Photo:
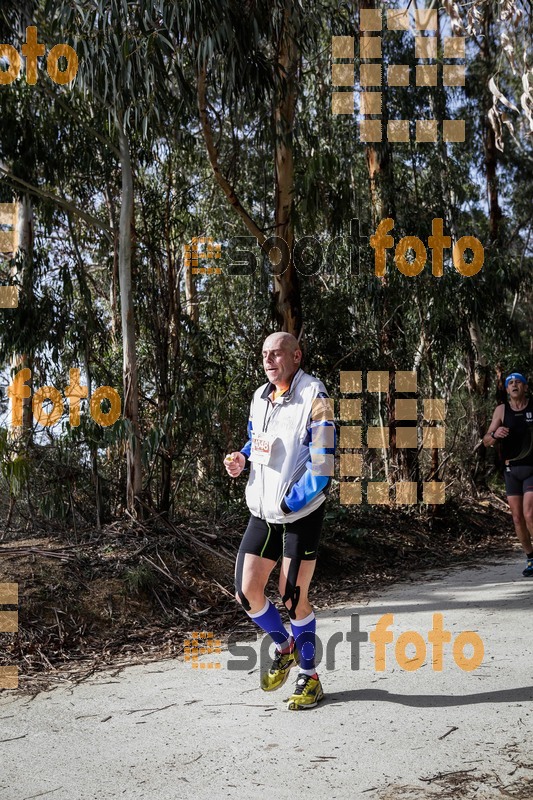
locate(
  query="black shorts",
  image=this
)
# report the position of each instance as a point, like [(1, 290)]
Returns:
[(518, 480), (297, 539)]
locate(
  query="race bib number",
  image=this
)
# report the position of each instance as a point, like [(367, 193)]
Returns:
[(261, 447)]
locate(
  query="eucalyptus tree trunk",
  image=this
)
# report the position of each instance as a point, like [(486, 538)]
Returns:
[(477, 363), (191, 295), (94, 450), (130, 371), (489, 137), (169, 359), (478, 378), (381, 187), (24, 241), (378, 154), (287, 307), (286, 290)]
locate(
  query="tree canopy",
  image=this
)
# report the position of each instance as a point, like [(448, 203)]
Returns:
[(206, 128)]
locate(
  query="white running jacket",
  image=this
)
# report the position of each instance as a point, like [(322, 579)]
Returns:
[(290, 450)]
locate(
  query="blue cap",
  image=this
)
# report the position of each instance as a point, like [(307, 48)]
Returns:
[(517, 377)]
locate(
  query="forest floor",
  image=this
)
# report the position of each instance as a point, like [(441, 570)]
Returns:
[(134, 592)]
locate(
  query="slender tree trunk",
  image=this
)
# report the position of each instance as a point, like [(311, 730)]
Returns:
[(94, 450), (478, 365), (130, 372), (286, 290), (478, 368), (115, 323), (478, 362), (434, 508), (378, 154), (191, 295), (381, 186), (287, 308), (24, 242), (438, 108), (489, 137)]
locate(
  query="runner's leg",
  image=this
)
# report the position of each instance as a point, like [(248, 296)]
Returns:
[(300, 546), (528, 516), (528, 510), (254, 574), (296, 583), (258, 553), (303, 622), (308, 690), (517, 504)]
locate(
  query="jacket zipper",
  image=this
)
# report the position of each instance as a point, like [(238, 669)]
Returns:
[(265, 428)]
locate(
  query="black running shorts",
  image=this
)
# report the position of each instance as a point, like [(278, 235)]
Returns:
[(518, 480), (297, 539)]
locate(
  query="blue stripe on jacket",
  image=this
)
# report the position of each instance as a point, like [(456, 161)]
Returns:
[(310, 484), (247, 449)]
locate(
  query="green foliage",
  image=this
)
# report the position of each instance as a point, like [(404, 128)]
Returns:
[(15, 468), (138, 580), (199, 357)]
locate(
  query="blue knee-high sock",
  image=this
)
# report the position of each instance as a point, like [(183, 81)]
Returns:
[(269, 620), (304, 632)]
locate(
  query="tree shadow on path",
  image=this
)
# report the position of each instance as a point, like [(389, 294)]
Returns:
[(518, 695)]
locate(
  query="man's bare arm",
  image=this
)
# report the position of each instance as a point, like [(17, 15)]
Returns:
[(496, 427)]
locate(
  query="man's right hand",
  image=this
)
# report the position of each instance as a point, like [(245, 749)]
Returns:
[(234, 463), (501, 432)]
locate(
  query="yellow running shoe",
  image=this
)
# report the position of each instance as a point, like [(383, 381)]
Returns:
[(307, 694), (279, 670)]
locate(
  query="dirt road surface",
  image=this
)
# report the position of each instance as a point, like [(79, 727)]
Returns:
[(168, 730)]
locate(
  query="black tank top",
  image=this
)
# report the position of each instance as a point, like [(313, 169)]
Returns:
[(517, 447)]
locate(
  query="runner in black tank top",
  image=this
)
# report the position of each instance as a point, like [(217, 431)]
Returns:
[(512, 424), (517, 447)]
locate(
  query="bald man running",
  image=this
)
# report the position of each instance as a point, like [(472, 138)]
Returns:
[(290, 454)]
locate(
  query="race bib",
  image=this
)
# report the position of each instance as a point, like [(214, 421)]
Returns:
[(261, 447)]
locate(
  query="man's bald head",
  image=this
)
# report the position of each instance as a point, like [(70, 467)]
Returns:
[(281, 358), (283, 340)]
